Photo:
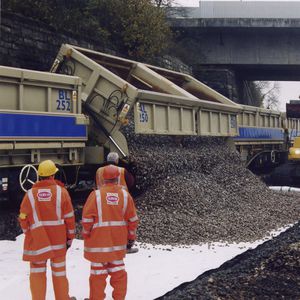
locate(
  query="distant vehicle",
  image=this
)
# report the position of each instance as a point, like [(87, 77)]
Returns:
[(294, 152)]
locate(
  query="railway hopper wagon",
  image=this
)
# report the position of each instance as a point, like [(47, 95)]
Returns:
[(262, 139), (73, 114), (265, 137), (40, 118), (166, 102), (288, 173)]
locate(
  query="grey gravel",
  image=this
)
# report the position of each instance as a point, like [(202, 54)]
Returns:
[(9, 225), (270, 271), (197, 190)]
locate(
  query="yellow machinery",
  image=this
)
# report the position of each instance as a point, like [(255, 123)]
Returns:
[(294, 152)]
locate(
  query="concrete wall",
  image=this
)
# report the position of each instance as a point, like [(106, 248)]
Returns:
[(33, 45), (241, 46), (26, 43), (236, 47), (220, 79)]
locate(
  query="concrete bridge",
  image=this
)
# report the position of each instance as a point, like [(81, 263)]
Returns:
[(233, 42)]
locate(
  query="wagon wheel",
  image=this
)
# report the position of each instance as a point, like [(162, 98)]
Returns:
[(28, 176)]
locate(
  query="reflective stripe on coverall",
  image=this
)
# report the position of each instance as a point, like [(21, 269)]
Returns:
[(38, 280), (49, 222), (121, 178), (109, 221), (118, 279)]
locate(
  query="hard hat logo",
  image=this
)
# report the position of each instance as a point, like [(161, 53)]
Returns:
[(47, 168)]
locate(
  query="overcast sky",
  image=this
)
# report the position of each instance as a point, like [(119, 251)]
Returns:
[(288, 90)]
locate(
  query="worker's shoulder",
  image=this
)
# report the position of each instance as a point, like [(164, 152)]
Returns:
[(124, 192), (124, 169), (92, 194), (115, 188), (52, 188), (47, 183), (65, 192), (100, 168)]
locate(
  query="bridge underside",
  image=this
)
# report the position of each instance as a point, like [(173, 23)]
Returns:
[(224, 57), (268, 72)]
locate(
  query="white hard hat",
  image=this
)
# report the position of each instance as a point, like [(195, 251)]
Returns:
[(113, 157)]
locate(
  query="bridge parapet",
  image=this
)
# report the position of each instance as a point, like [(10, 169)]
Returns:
[(254, 23)]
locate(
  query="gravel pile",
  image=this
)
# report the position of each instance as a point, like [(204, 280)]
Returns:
[(195, 190), (271, 271)]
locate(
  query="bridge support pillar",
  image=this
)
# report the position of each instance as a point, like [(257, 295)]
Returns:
[(227, 82), (222, 80)]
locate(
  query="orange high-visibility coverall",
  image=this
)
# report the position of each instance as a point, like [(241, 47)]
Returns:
[(47, 219), (121, 178), (109, 220)]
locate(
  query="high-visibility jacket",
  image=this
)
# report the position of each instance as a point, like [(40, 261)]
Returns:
[(47, 219), (109, 220), (121, 178)]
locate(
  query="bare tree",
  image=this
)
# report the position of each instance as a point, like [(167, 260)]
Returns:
[(269, 97), (262, 94), (164, 3), (172, 7)]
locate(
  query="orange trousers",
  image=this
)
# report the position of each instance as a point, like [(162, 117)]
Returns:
[(38, 280), (118, 280)]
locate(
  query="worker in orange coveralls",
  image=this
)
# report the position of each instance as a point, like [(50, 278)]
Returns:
[(47, 219), (125, 179), (109, 226)]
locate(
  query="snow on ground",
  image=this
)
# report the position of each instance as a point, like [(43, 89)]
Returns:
[(152, 272)]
